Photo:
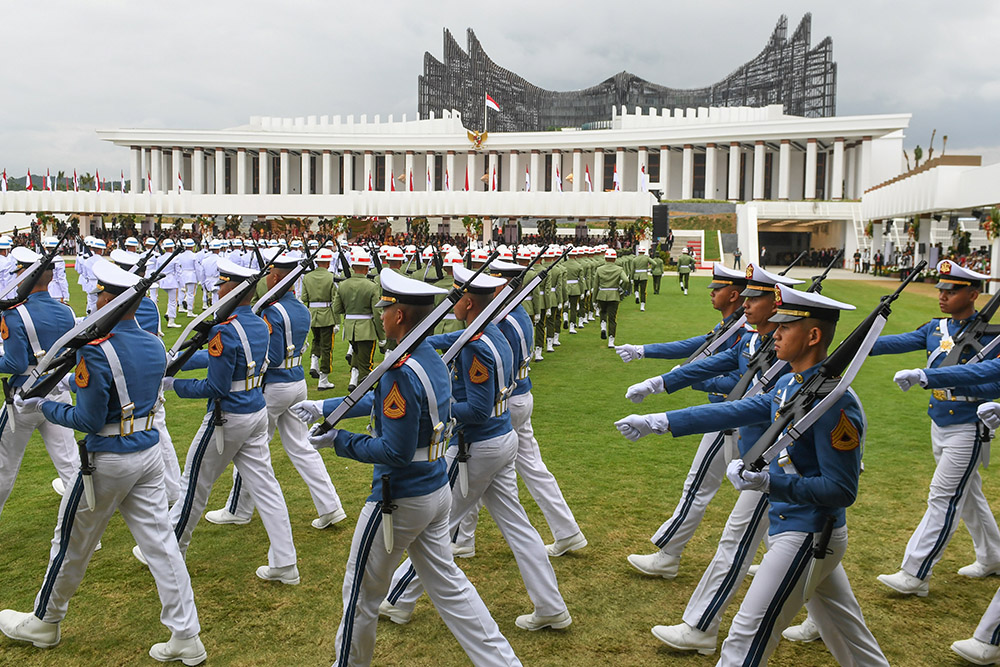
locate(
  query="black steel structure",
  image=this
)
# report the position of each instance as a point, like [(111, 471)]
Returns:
[(790, 72)]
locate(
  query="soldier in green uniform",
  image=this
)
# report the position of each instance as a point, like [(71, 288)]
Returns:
[(611, 282), (640, 275), (685, 265), (557, 288), (540, 297), (656, 270), (449, 323), (355, 299), (575, 277), (318, 291), (594, 262)]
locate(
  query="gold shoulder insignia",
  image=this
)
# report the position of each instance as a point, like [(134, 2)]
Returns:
[(4, 332), (394, 405), (82, 374), (844, 435), (215, 345), (478, 373), (270, 329)]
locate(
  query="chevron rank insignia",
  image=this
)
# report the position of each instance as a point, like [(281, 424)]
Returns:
[(844, 435), (82, 374), (478, 373), (215, 345), (394, 405)]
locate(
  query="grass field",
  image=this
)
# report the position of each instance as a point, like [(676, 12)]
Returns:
[(619, 491)]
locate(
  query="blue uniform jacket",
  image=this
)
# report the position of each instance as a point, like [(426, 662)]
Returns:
[(51, 319), (979, 379), (518, 320), (475, 383), (227, 364), (928, 337), (401, 423), (679, 349), (143, 361), (148, 316), (827, 456), (277, 350)]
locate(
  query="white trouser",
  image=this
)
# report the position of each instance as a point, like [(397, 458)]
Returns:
[(420, 527), (91, 302), (492, 478), (988, 629), (189, 294), (745, 528), (132, 484), (703, 480), (153, 294), (777, 593), (171, 302), (541, 483), (171, 466), (295, 439), (246, 446), (956, 492), (207, 294), (58, 441)]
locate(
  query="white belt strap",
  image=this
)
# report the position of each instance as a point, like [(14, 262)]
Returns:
[(29, 328), (291, 359), (248, 354), (357, 317), (947, 342), (319, 304), (608, 289), (572, 282), (442, 428)]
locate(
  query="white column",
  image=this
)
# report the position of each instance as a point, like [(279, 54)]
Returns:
[(220, 171), (198, 172), (837, 174), (733, 187), (865, 173), (264, 171), (620, 166), (176, 167), (556, 170), (710, 171), (471, 171), (327, 171), (284, 173), (491, 170), (430, 167), (135, 170), (408, 172), (598, 175), (784, 169), (664, 170), (640, 168), (241, 171), (687, 172), (368, 173), (515, 179), (305, 173), (347, 174), (810, 179), (389, 170), (758, 170), (449, 167), (850, 159), (578, 176), (537, 182)]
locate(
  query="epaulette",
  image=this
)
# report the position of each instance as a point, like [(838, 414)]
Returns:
[(228, 320), (402, 361), (477, 336), (98, 341)]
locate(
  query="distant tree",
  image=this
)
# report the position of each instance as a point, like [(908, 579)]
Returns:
[(918, 153), (87, 182)]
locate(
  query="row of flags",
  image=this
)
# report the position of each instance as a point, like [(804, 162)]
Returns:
[(492, 178), (49, 182)]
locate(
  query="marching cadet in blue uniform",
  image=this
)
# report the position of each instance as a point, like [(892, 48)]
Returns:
[(956, 490), (288, 322), (148, 318), (518, 329), (410, 410), (122, 369), (708, 465), (236, 359), (28, 330), (814, 478), (483, 373)]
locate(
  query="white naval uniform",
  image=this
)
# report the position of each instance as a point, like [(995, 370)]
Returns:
[(170, 282), (59, 286)]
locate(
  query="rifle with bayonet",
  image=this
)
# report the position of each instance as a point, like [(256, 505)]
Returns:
[(405, 346), (62, 355), (345, 263), (822, 390), (31, 275), (794, 262)]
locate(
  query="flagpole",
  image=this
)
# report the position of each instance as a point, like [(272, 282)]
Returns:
[(485, 112)]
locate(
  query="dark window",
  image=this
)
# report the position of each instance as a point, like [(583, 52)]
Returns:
[(698, 183)]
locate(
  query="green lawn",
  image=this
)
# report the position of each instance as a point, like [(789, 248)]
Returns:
[(619, 491)]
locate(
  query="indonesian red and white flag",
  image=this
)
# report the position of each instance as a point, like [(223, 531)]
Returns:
[(149, 183), (123, 181), (466, 180), (493, 180), (76, 182), (430, 183), (586, 176), (447, 181), (30, 187), (643, 181), (409, 182), (527, 179), (97, 179), (3, 182), (392, 182), (45, 183), (616, 180), (369, 181), (558, 180), (491, 103), (180, 183)]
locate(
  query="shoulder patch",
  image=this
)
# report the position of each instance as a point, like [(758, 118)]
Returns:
[(394, 405), (228, 319), (402, 360), (477, 336), (478, 373), (98, 341), (82, 374), (844, 435), (4, 332), (215, 345), (270, 329)]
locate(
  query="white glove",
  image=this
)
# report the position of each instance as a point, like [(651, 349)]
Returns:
[(630, 352), (319, 441), (307, 411), (637, 392), (548, 312), (908, 378), (747, 480), (634, 427), (167, 384), (66, 384), (538, 318), (28, 405), (336, 329), (989, 413)]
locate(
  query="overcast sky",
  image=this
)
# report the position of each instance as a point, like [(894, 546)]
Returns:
[(72, 67)]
